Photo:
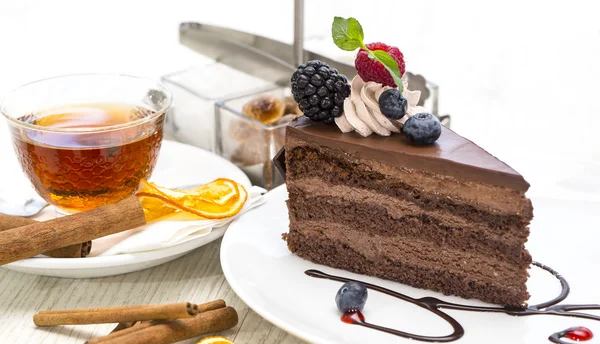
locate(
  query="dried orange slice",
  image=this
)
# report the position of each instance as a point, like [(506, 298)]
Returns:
[(214, 340), (155, 208), (218, 199)]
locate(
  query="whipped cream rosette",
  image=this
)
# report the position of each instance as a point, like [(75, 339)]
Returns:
[(363, 115)]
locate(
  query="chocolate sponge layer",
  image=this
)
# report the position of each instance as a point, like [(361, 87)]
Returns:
[(416, 263)]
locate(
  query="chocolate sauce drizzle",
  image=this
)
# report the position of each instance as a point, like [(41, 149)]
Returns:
[(435, 305)]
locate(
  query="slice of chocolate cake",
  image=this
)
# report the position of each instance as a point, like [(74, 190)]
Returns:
[(448, 217), (379, 187)]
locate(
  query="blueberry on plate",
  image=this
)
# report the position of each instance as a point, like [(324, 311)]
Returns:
[(393, 104), (422, 128), (351, 296)]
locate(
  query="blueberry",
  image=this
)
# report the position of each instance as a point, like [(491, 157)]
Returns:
[(351, 296), (393, 104), (422, 128), (302, 81), (309, 90)]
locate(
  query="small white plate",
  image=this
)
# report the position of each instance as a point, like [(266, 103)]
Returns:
[(178, 165), (271, 281)]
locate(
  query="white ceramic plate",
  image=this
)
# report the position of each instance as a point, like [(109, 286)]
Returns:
[(178, 165), (266, 276)]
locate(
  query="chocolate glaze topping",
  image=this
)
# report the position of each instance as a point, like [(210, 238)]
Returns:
[(451, 155), (279, 162), (435, 305)]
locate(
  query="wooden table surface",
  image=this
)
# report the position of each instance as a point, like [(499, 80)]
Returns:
[(195, 277)]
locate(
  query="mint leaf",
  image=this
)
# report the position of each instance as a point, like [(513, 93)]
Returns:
[(347, 33), (355, 30), (390, 64)]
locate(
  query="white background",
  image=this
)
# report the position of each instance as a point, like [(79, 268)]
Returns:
[(520, 78)]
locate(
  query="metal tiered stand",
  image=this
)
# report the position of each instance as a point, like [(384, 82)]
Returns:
[(208, 98)]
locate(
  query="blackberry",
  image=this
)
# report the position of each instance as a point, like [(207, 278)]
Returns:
[(309, 90), (323, 92), (320, 91)]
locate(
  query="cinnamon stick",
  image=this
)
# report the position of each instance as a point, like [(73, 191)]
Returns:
[(176, 330), (211, 305), (81, 250), (125, 325), (115, 314), (33, 239), (123, 329), (140, 325), (137, 326)]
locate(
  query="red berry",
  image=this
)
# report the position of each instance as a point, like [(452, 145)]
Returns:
[(353, 316), (372, 70), (579, 333)]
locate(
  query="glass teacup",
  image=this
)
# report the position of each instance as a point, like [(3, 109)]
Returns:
[(86, 140)]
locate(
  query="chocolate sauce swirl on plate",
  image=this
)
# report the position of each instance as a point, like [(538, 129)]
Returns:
[(435, 306)]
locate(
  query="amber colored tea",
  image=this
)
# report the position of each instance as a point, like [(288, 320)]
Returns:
[(86, 165)]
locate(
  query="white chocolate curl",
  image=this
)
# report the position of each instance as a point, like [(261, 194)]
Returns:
[(362, 113)]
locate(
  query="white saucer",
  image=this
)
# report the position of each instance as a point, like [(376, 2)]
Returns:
[(178, 165), (271, 281)]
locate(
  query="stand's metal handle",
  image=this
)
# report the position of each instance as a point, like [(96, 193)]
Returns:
[(298, 32)]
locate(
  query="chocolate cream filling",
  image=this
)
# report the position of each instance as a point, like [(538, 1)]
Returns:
[(381, 215)]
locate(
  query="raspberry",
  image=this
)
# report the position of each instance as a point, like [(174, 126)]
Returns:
[(372, 70)]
